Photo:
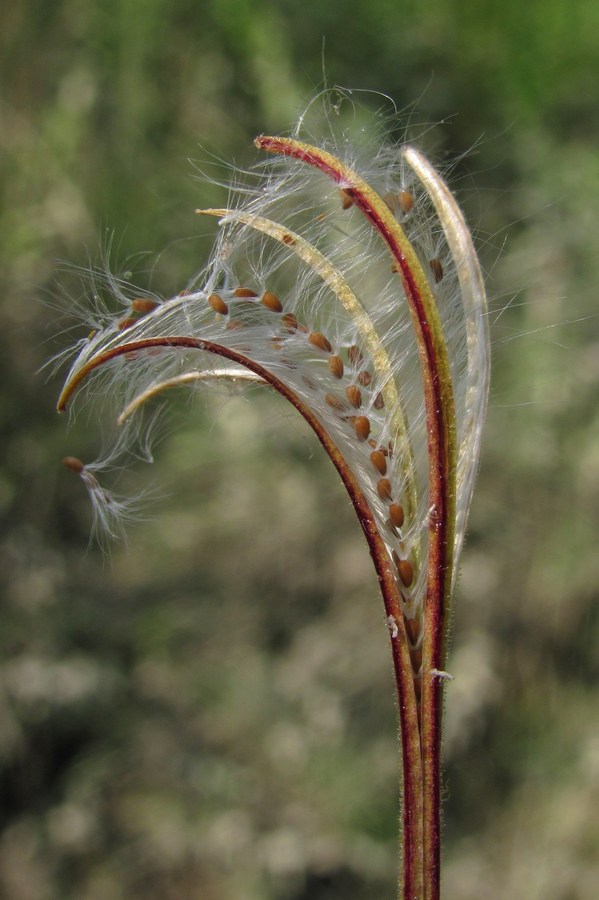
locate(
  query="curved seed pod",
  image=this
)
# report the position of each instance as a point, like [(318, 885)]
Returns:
[(378, 338)]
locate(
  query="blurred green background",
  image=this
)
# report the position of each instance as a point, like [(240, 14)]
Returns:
[(197, 716)]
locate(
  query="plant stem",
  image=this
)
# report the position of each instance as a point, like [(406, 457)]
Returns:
[(442, 453), (412, 810)]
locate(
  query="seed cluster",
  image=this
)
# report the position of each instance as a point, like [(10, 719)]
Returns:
[(349, 401)]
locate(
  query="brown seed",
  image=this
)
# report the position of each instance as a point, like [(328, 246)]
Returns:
[(290, 322), (378, 401), (143, 305), (354, 395), (405, 201), (127, 323), (396, 515), (355, 355), (272, 302), (392, 201), (405, 570), (418, 692), (218, 304), (234, 325), (335, 402), (320, 341), (362, 428), (383, 488), (364, 378), (378, 461), (412, 629), (248, 293), (416, 658), (346, 200), (74, 464), (335, 364), (288, 239), (436, 268)]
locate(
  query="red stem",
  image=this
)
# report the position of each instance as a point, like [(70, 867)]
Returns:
[(412, 767), (438, 397)]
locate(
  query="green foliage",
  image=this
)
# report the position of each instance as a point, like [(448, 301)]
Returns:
[(195, 717)]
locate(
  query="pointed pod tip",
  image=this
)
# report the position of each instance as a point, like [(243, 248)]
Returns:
[(211, 212), (268, 142)]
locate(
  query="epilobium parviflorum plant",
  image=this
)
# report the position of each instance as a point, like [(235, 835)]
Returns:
[(344, 277)]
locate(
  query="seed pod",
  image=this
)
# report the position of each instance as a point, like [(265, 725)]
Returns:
[(396, 515), (335, 364), (383, 488), (272, 302), (362, 428), (378, 461), (218, 304), (319, 340), (354, 395)]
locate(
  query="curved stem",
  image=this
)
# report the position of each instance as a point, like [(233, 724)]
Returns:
[(476, 325), (231, 375), (412, 765), (440, 418)]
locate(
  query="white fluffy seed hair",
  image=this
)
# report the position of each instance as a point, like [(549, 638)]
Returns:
[(300, 283)]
